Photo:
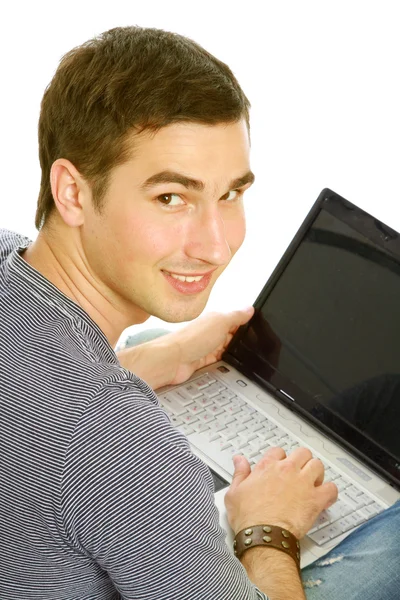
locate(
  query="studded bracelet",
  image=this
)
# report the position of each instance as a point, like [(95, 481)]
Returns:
[(268, 536)]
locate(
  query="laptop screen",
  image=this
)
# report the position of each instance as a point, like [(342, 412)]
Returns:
[(326, 333)]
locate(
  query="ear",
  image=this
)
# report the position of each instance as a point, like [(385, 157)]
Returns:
[(70, 192)]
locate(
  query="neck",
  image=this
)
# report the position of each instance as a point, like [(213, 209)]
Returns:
[(58, 254)]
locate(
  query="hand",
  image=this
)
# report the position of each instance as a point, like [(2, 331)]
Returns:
[(281, 490), (203, 341), (172, 358)]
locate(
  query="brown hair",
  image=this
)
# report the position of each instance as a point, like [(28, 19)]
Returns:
[(128, 78)]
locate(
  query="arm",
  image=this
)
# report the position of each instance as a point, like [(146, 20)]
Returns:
[(171, 359), (274, 573), (280, 490), (139, 506)]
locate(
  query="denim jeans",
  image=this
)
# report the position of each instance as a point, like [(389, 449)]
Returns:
[(365, 566)]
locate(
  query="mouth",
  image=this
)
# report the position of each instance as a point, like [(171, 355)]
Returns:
[(188, 284)]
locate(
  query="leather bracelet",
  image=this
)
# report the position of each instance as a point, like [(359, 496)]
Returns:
[(267, 535)]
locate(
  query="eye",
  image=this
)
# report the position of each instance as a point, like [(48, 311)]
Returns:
[(231, 195), (170, 200)]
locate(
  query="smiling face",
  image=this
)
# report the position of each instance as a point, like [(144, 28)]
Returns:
[(172, 219)]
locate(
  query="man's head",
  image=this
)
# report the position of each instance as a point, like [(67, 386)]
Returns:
[(127, 80), (144, 148)]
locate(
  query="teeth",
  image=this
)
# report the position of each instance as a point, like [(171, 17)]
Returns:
[(189, 279)]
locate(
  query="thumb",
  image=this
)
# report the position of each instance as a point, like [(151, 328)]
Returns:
[(239, 317), (242, 470)]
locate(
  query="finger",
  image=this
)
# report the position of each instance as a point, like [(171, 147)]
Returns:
[(327, 494), (229, 336), (242, 470), (239, 317), (273, 454), (315, 470), (300, 457)]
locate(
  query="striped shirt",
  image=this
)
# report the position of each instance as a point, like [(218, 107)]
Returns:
[(101, 497)]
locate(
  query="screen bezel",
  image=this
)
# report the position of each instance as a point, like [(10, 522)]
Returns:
[(286, 390)]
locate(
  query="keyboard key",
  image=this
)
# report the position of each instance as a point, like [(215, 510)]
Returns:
[(218, 412), (243, 417), (274, 441), (189, 419), (173, 405), (239, 443), (366, 499), (279, 432), (268, 425), (249, 409), (338, 510), (232, 408), (206, 418), (202, 427), (342, 483), (333, 530), (320, 537), (260, 418), (246, 450), (346, 524), (191, 391), (253, 453), (368, 511), (202, 382), (224, 417), (217, 424), (253, 426), (204, 401), (349, 500), (223, 445), (222, 399), (377, 508), (241, 428), (181, 397), (214, 389), (353, 491), (266, 435), (227, 434), (245, 434), (358, 518), (186, 429), (194, 409), (322, 521)]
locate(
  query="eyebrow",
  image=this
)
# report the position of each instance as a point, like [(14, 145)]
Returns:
[(189, 182)]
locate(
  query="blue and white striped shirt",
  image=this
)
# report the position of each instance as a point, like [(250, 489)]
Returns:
[(101, 497)]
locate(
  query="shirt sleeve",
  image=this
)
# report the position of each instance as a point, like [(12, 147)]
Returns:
[(139, 503)]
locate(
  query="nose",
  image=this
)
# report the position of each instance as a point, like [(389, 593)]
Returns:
[(207, 240)]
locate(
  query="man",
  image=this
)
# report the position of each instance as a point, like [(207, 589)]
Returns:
[(144, 150)]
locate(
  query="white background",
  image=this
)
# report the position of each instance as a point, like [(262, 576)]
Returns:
[(322, 77)]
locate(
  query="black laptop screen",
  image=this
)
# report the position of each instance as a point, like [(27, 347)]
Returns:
[(327, 334)]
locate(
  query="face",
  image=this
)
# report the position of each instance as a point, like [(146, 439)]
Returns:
[(172, 219)]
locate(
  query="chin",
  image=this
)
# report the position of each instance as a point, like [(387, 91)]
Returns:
[(181, 314)]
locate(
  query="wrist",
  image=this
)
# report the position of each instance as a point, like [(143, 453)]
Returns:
[(156, 362), (267, 536)]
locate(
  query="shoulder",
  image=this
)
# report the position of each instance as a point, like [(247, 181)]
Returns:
[(9, 241), (127, 435), (126, 463)]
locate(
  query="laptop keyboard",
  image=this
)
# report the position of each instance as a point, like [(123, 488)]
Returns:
[(220, 424)]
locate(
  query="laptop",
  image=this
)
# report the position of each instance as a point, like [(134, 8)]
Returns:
[(318, 365)]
